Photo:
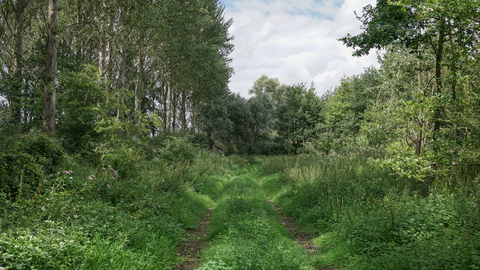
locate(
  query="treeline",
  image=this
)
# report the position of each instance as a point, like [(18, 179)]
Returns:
[(90, 70), (422, 103), (147, 69)]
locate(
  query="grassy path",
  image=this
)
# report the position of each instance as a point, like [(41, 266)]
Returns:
[(367, 219), (191, 250), (302, 238), (246, 232)]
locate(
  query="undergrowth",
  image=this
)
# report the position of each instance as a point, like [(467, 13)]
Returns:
[(111, 215), (371, 219)]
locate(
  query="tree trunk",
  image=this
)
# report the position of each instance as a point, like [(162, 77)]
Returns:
[(164, 99), (139, 87), (78, 46), (102, 50), (183, 113), (168, 108), (193, 116), (15, 101), (438, 77), (174, 110), (50, 75), (123, 81), (418, 143), (454, 99)]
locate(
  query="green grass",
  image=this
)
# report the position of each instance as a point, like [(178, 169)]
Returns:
[(88, 220), (245, 233), (366, 217), (370, 219)]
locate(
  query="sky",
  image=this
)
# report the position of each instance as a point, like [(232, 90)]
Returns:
[(295, 41)]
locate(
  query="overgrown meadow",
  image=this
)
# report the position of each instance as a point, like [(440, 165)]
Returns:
[(369, 218), (125, 211)]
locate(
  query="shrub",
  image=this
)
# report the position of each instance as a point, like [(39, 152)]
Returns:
[(45, 150), (19, 175), (177, 149), (123, 159)]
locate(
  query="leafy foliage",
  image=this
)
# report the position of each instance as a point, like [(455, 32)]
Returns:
[(83, 217), (297, 115), (79, 96), (238, 125), (20, 175), (46, 151), (177, 149)]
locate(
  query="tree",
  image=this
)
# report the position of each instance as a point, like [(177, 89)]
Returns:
[(297, 115), (238, 125), (157, 60), (50, 75), (269, 87), (439, 26), (15, 36)]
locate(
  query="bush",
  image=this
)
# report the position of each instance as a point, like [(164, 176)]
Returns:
[(19, 175), (45, 150), (125, 160), (177, 149), (78, 97)]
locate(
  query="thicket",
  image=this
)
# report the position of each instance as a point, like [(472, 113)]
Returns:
[(114, 214), (369, 218)]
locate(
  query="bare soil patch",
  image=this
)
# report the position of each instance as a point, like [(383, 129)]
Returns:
[(191, 250)]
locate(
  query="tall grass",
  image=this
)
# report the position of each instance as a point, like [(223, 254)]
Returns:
[(370, 219), (89, 217)]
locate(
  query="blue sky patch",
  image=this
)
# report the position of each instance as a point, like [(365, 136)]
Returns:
[(296, 11)]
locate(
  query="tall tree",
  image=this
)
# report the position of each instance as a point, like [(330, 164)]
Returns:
[(297, 116), (50, 75), (434, 25), (15, 19), (17, 66)]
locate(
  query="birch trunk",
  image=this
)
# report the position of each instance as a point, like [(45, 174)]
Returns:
[(79, 43), (102, 52), (139, 87), (50, 75), (164, 104), (167, 108), (123, 81), (183, 113), (174, 110)]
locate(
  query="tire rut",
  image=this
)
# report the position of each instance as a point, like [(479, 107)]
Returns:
[(303, 239), (191, 251)]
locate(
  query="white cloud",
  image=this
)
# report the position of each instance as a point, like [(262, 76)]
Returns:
[(294, 41)]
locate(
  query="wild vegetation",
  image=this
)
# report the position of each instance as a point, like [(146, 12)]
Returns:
[(126, 212), (368, 218), (113, 113), (245, 233)]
